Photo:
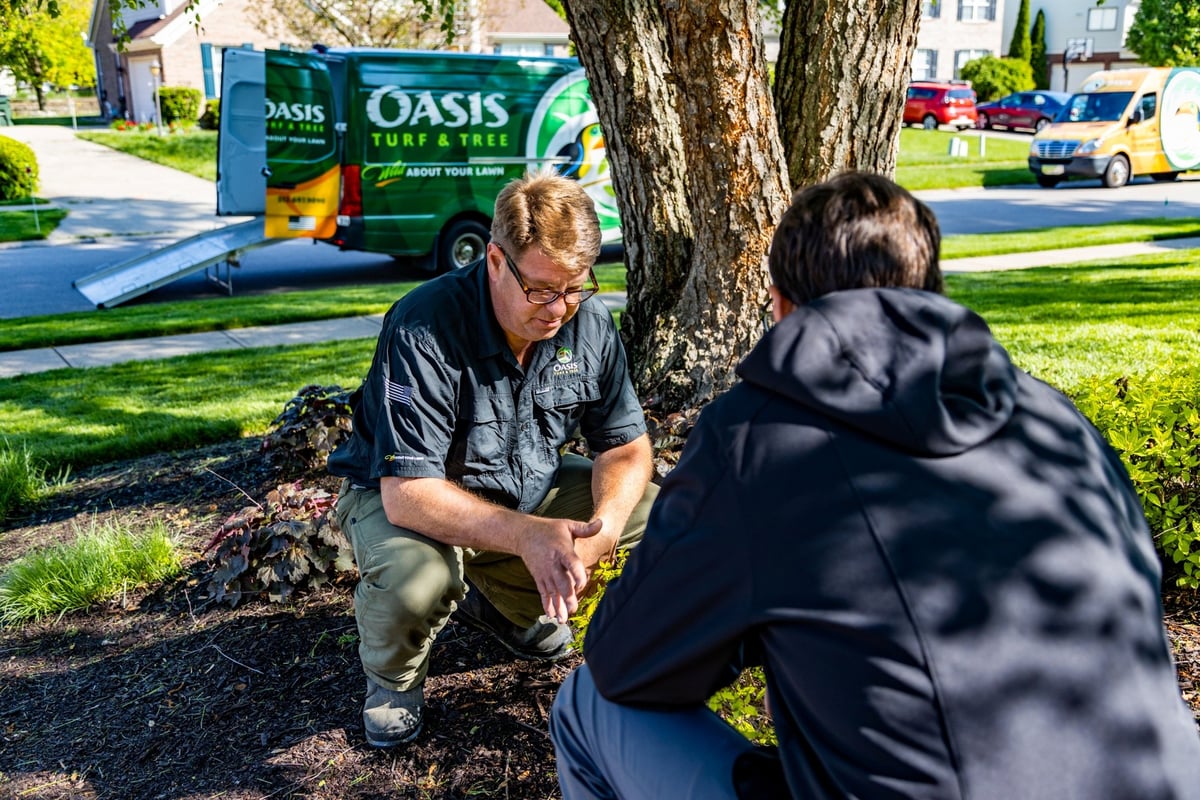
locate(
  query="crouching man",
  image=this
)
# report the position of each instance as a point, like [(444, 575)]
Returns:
[(455, 493)]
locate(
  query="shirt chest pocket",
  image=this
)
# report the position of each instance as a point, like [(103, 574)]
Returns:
[(561, 406), (491, 432)]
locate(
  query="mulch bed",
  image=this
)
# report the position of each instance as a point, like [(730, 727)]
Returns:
[(159, 695)]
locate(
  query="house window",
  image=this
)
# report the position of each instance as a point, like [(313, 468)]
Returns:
[(931, 9), (924, 65), (976, 10), (1102, 19), (963, 56)]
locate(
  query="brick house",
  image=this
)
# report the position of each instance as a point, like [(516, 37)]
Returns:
[(165, 47), (953, 32), (1091, 36), (164, 40)]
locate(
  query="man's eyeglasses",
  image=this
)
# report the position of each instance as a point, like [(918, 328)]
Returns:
[(544, 297)]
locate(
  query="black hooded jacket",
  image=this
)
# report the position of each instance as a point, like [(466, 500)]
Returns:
[(939, 562)]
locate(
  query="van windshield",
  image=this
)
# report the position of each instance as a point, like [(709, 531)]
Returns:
[(1100, 107)]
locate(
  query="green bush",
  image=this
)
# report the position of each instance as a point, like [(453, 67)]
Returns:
[(1154, 423), (212, 114), (18, 170), (179, 104), (993, 77)]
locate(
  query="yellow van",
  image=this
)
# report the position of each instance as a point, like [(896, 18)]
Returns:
[(1123, 123)]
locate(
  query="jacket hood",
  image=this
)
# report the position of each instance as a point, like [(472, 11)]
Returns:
[(909, 367)]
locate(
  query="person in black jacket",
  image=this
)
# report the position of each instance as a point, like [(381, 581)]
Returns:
[(940, 564)]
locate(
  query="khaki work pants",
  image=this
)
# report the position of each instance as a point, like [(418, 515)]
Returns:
[(409, 584)]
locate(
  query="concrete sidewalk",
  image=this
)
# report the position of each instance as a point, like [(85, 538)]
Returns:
[(111, 194), (22, 362)]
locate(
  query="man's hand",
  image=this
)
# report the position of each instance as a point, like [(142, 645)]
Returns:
[(549, 554)]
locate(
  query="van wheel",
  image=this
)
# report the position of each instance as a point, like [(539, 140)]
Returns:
[(461, 244), (1165, 177), (1117, 174), (1048, 181), (929, 123)]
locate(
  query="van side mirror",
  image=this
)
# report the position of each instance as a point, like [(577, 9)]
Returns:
[(1135, 117)]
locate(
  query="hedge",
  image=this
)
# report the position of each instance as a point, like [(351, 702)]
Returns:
[(179, 104), (18, 170)]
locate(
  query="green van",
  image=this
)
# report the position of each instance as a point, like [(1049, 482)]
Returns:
[(400, 152)]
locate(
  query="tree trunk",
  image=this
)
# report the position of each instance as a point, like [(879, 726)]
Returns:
[(700, 180), (840, 81)]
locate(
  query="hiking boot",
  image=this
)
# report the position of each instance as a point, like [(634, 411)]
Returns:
[(390, 717), (543, 641)]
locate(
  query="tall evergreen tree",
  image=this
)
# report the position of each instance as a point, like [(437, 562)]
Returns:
[(1021, 47), (1037, 52)]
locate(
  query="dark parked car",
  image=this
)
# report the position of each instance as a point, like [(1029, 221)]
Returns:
[(1033, 110)]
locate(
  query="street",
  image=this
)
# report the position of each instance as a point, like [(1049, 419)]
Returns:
[(37, 278)]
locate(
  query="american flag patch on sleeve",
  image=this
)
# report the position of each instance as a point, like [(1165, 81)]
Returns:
[(398, 393)]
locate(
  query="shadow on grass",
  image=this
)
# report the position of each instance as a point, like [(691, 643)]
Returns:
[(1102, 294)]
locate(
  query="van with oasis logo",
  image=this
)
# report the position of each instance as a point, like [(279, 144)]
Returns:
[(400, 152)]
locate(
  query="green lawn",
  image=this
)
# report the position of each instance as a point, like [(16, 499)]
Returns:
[(1143, 230), (925, 161), (21, 226), (1064, 324), (71, 418), (221, 313), (1067, 324), (194, 151)]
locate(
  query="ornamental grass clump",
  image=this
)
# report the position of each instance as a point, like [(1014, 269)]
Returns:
[(105, 561), (23, 481)]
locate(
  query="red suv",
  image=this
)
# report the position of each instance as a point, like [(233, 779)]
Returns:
[(933, 103)]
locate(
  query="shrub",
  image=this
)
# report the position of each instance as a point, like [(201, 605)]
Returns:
[(1154, 423), (993, 77), (102, 563), (211, 117), (310, 426), (292, 544), (179, 104), (18, 170)]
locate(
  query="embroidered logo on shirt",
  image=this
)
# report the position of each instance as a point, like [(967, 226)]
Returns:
[(398, 393), (563, 355)]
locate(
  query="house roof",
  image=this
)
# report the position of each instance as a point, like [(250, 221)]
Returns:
[(146, 28), (505, 18)]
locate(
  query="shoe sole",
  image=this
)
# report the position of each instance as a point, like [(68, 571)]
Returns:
[(386, 744)]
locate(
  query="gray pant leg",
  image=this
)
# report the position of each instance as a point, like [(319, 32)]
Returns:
[(408, 585), (606, 750)]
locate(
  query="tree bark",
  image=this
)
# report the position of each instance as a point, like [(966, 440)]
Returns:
[(843, 69), (699, 174)]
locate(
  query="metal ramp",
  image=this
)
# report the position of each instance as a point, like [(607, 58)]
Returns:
[(209, 251)]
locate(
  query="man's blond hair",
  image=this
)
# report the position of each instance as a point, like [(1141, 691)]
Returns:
[(553, 214)]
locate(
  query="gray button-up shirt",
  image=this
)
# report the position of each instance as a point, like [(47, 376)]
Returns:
[(446, 398)]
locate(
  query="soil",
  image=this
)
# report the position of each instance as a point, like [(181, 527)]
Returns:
[(160, 695)]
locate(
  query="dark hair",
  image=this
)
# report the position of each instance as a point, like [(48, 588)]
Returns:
[(854, 232)]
